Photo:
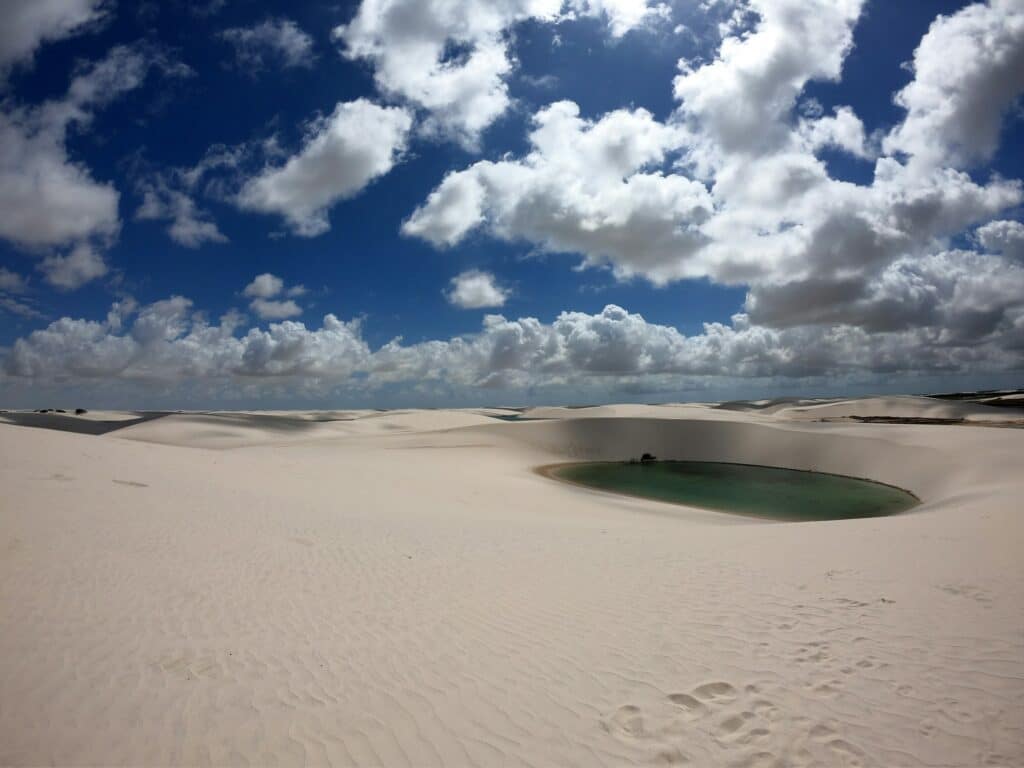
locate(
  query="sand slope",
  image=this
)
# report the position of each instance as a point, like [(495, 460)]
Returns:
[(401, 589), (897, 407), (240, 430), (91, 423)]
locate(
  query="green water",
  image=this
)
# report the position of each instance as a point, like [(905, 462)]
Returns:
[(781, 494)]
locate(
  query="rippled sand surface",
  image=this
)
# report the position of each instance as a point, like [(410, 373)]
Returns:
[(400, 588)]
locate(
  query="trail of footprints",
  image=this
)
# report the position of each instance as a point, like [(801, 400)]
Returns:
[(734, 726)]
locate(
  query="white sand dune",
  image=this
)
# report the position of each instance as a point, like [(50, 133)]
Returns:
[(400, 588), (897, 407), (667, 411), (238, 430)]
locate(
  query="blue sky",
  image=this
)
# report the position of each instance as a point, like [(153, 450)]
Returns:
[(660, 200)]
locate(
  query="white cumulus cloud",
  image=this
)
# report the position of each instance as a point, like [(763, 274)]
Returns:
[(968, 70), (731, 187), (269, 309), (343, 152), (968, 313), (270, 299), (49, 200), (1005, 237), (451, 57), (27, 24), (586, 187), (272, 40), (73, 270), (475, 289), (264, 286), (189, 225)]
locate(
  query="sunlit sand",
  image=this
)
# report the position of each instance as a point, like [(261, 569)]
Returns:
[(402, 588)]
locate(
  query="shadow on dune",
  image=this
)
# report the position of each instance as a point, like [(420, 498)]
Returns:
[(274, 422), (64, 423), (515, 417), (766, 405), (68, 423)]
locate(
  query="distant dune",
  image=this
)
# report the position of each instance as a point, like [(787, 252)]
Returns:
[(401, 588)]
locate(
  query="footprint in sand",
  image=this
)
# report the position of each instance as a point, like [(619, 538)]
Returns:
[(688, 704), (846, 754), (717, 714), (715, 692), (827, 688), (656, 733), (822, 732), (765, 710), (627, 721), (731, 724)]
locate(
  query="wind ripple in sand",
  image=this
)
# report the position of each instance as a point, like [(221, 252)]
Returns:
[(331, 604)]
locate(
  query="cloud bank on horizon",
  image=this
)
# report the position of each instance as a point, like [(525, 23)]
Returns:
[(871, 245)]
